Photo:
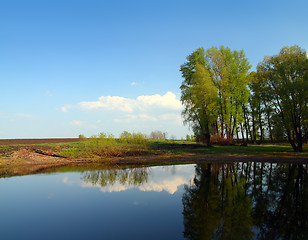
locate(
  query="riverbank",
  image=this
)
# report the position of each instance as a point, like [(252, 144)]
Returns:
[(46, 155)]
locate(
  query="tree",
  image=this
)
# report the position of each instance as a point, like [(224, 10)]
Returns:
[(199, 95), (188, 138), (286, 75), (158, 135), (229, 71)]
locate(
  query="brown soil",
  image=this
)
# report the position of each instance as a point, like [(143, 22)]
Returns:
[(37, 141)]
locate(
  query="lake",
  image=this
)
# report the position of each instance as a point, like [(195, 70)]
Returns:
[(241, 200)]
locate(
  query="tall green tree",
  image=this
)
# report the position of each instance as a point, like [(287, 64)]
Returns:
[(199, 95), (229, 70), (256, 104), (286, 75)]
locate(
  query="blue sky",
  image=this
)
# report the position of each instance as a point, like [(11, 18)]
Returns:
[(74, 67)]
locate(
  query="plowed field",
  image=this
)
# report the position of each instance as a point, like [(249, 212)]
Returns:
[(37, 141)]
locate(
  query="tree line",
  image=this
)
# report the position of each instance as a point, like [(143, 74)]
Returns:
[(225, 101)]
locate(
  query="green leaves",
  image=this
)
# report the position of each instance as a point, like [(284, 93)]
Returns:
[(214, 89), (285, 75), (199, 95)]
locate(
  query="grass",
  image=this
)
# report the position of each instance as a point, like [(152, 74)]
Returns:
[(183, 147), (103, 146), (136, 144), (103, 150)]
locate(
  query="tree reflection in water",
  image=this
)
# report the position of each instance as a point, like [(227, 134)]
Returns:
[(128, 176), (247, 201)]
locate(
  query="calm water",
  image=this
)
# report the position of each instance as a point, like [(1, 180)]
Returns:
[(207, 201)]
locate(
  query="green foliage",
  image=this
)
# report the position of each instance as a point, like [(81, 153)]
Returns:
[(103, 145), (81, 136), (286, 77), (199, 95), (222, 98), (134, 138), (192, 137), (229, 71), (188, 138), (213, 91)]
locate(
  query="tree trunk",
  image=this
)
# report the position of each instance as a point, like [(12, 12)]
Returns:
[(243, 138), (267, 111), (246, 124), (260, 124), (254, 128), (269, 127)]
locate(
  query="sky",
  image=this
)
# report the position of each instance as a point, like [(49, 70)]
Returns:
[(70, 67)]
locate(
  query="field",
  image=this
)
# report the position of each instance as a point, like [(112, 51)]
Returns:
[(26, 156), (37, 141)]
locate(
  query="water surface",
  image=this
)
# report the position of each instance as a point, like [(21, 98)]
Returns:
[(204, 201)]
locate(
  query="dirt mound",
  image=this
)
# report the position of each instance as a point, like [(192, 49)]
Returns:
[(32, 156)]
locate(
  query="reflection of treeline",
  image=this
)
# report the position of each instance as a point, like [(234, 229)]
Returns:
[(129, 176), (246, 201)]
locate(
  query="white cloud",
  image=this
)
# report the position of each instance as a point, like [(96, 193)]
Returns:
[(167, 101), (144, 113), (133, 83), (147, 117), (117, 187), (169, 185), (167, 179), (76, 122), (110, 103), (67, 181), (66, 107)]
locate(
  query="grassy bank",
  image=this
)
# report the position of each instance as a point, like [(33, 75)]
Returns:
[(133, 150), (184, 147), (103, 146)]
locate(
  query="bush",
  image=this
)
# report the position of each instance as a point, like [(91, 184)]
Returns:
[(103, 145), (188, 138), (82, 136)]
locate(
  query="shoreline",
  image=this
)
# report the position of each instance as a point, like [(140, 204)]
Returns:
[(31, 156), (27, 162)]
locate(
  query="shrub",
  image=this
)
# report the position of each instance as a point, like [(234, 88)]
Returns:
[(188, 138), (103, 145), (82, 136)]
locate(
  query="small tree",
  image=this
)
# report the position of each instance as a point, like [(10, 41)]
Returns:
[(188, 138), (81, 136)]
